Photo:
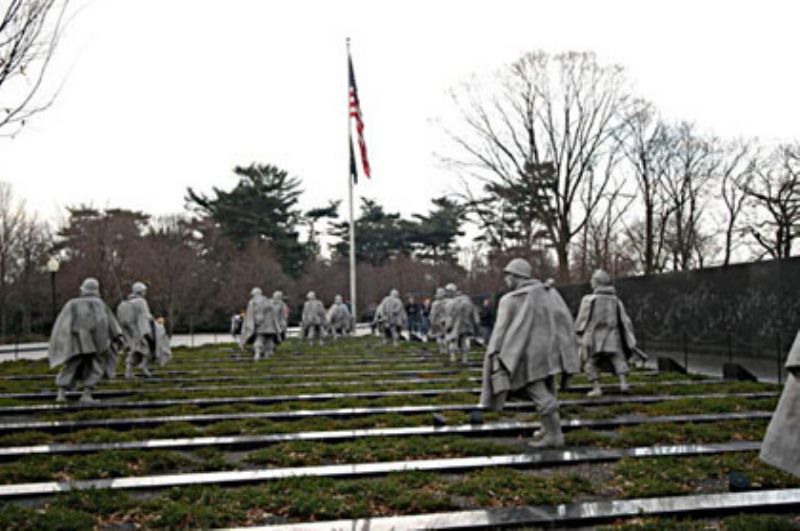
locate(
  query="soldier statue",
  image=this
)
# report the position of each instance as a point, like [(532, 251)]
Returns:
[(314, 319), (438, 318), (779, 448), (339, 319), (390, 317), (461, 322), (86, 339), (262, 325), (139, 328), (606, 333), (283, 312), (532, 341)]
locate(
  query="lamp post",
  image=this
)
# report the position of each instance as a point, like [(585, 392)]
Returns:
[(52, 266)]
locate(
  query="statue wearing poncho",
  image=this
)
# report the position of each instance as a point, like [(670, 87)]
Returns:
[(314, 319), (139, 329), (461, 322), (283, 313), (780, 446), (391, 317), (85, 340), (606, 331), (339, 318), (262, 325), (533, 341), (438, 318)]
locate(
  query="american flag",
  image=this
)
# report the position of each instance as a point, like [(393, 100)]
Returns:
[(355, 112)]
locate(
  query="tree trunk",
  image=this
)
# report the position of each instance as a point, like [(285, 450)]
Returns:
[(649, 239), (728, 245), (562, 252)]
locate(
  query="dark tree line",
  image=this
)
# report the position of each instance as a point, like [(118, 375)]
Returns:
[(201, 265)]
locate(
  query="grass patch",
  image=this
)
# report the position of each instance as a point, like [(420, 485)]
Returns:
[(94, 466), (498, 487), (663, 476), (307, 453)]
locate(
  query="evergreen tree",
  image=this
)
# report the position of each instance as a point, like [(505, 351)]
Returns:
[(379, 235), (312, 217), (434, 235), (262, 206)]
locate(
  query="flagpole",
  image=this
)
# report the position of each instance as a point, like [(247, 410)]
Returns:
[(353, 310)]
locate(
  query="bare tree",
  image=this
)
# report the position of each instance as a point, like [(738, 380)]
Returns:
[(775, 191), (738, 164), (646, 149), (687, 170), (565, 110), (30, 31), (34, 244), (601, 241), (12, 221)]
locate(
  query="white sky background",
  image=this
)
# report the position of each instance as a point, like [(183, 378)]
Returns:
[(164, 94)]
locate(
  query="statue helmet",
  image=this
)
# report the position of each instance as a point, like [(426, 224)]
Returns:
[(394, 293), (451, 288), (337, 299), (278, 295), (519, 267), (311, 296), (600, 278), (90, 286), (255, 292), (139, 288)]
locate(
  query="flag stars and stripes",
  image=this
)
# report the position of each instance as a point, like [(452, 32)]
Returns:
[(355, 114)]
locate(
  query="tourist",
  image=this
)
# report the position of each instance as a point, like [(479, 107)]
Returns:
[(486, 320), (413, 311)]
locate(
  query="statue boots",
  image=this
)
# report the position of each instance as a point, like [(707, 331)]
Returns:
[(86, 396), (146, 369), (624, 387), (62, 395), (129, 368), (596, 391), (553, 436)]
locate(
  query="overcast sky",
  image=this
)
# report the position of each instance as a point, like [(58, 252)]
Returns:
[(164, 94)]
